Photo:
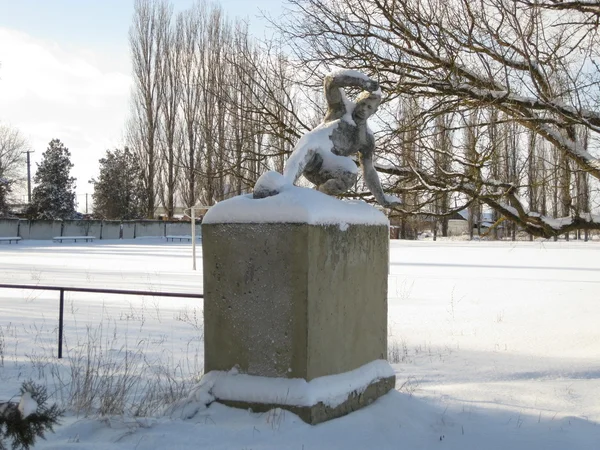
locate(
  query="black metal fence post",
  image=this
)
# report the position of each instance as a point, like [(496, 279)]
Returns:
[(91, 291), (61, 314)]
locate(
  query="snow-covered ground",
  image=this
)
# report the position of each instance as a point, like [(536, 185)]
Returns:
[(495, 346)]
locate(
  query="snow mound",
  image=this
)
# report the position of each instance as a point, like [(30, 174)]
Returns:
[(270, 183), (27, 405), (349, 73), (331, 390), (294, 205)]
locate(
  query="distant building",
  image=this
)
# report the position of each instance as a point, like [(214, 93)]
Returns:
[(181, 212)]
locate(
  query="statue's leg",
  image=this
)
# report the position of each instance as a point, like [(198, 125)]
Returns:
[(332, 174), (272, 183), (339, 184)]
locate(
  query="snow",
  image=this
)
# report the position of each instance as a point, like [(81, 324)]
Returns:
[(391, 199), (27, 405), (573, 147), (294, 205), (555, 223), (349, 73), (330, 390), (349, 106), (335, 163), (272, 181), (318, 139), (494, 345)]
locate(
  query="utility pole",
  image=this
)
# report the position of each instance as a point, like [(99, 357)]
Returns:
[(29, 176), (86, 203)]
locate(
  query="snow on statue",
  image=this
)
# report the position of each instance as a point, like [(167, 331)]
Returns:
[(323, 154)]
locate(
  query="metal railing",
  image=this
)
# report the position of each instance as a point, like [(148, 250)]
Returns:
[(63, 289)]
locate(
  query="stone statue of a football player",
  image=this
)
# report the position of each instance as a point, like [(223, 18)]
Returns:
[(323, 154)]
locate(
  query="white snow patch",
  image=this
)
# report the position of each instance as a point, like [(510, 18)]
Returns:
[(317, 139), (271, 181), (349, 73), (294, 205), (349, 106), (498, 345), (335, 163), (27, 405), (331, 390), (392, 198)]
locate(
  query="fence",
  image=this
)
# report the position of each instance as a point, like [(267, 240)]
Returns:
[(101, 229), (62, 291)]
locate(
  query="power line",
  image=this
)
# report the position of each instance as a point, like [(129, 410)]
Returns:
[(29, 175)]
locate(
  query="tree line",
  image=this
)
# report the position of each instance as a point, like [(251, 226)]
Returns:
[(490, 103), (208, 107), (53, 197), (12, 157), (490, 107), (118, 191)]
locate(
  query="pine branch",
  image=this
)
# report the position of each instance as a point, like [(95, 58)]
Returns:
[(22, 423)]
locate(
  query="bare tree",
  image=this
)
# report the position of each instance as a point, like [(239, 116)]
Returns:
[(12, 163), (582, 189), (211, 109), (12, 148), (211, 85), (190, 26), (441, 162), (170, 136), (147, 37), (524, 59), (279, 109)]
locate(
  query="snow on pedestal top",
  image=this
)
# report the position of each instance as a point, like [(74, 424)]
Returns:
[(295, 205)]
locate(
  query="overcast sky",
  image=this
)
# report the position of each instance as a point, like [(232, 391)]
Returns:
[(65, 72)]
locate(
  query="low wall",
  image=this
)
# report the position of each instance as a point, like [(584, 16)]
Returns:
[(178, 228), (42, 229), (82, 228), (23, 229), (9, 228), (108, 229), (128, 230), (111, 229), (149, 229)]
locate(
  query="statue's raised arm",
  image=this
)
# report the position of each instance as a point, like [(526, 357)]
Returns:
[(334, 93), (323, 154)]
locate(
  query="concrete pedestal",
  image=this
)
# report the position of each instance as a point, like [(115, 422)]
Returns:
[(296, 301)]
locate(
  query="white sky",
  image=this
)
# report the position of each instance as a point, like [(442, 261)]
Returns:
[(65, 73)]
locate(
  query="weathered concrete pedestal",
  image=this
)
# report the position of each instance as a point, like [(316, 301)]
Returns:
[(296, 300)]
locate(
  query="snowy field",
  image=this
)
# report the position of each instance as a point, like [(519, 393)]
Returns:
[(495, 346)]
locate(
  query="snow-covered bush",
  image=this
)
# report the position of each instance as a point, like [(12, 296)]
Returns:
[(22, 423)]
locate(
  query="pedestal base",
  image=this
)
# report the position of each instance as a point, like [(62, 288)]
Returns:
[(320, 412), (314, 401), (300, 304), (294, 300)]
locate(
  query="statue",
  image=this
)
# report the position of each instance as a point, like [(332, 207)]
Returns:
[(323, 154)]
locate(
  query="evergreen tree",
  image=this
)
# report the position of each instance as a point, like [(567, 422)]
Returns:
[(54, 195), (4, 192), (119, 192), (21, 423)]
